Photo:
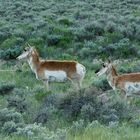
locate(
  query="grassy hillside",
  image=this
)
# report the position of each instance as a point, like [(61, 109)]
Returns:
[(83, 30), (98, 28)]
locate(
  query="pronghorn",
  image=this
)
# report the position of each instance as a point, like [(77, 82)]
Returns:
[(127, 83), (53, 70)]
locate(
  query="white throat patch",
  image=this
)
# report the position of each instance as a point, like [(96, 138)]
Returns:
[(30, 61)]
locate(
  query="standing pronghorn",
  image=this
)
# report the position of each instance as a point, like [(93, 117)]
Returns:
[(128, 83), (53, 70)]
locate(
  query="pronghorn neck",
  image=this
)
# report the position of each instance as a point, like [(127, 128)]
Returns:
[(111, 74), (113, 71), (34, 61)]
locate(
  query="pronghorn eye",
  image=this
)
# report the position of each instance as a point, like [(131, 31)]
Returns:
[(104, 65), (25, 49), (97, 70)]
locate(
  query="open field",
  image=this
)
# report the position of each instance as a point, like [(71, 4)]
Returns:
[(82, 30)]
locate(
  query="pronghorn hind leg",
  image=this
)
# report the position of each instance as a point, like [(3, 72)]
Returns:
[(70, 80), (74, 82), (123, 94), (129, 99), (80, 83), (77, 79), (77, 84)]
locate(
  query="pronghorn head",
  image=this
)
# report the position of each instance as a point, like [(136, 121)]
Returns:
[(28, 51), (106, 68)]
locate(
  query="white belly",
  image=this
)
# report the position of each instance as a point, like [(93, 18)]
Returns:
[(58, 76), (132, 88)]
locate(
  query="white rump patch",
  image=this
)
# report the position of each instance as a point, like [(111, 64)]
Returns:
[(58, 76), (81, 70), (132, 88)]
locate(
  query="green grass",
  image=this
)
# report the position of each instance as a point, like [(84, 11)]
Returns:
[(12, 137), (123, 132), (35, 91), (97, 132)]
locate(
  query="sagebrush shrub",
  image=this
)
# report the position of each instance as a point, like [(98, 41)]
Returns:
[(85, 105), (32, 130), (10, 42), (9, 127), (53, 99), (37, 131), (10, 53), (101, 83), (6, 88), (96, 27), (110, 27), (65, 21), (45, 114), (81, 34), (49, 108), (87, 112), (19, 103), (73, 102), (10, 115), (10, 120), (122, 49), (85, 52), (136, 123), (53, 39)]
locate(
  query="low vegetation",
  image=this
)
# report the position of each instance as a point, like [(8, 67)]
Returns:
[(82, 30)]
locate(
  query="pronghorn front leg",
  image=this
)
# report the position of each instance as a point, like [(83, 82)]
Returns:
[(46, 82), (129, 98), (123, 94)]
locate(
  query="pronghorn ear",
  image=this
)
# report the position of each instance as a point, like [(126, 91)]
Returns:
[(103, 64), (28, 45), (33, 50), (26, 48), (100, 61)]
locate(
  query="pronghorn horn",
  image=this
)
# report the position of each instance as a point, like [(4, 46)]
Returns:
[(109, 60), (26, 48)]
